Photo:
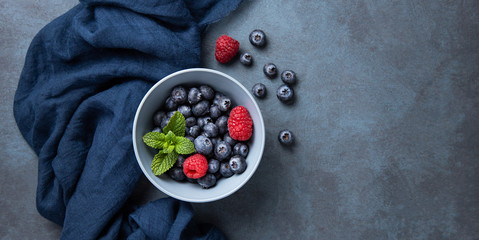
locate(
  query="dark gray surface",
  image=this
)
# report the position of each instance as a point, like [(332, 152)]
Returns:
[(386, 120)]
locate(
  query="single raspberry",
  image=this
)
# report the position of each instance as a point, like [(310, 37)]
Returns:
[(240, 124), (195, 166), (226, 48)]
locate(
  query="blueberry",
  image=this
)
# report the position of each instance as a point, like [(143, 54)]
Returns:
[(185, 110), (222, 150), (202, 121), (227, 138), (207, 92), (179, 162), (237, 164), (190, 122), (257, 38), (218, 95), (192, 139), (246, 59), (214, 111), (222, 124), (207, 181), (170, 104), (194, 131), (225, 170), (213, 166), (270, 70), (285, 93), (224, 104), (215, 140), (176, 174), (194, 96), (241, 149), (288, 77), (218, 175), (211, 130), (170, 114), (191, 180), (285, 137), (201, 108), (178, 95), (203, 145), (259, 90), (158, 117), (164, 122)]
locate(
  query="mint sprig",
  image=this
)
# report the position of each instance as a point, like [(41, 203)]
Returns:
[(170, 143)]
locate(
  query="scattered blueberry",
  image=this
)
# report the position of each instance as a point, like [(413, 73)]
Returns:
[(215, 111), (158, 117), (270, 70), (207, 92), (203, 145), (213, 166), (241, 149), (285, 137), (246, 59), (285, 93), (207, 181), (170, 104), (190, 122), (194, 96), (194, 131), (257, 38), (222, 150), (225, 170), (288, 77), (178, 95), (224, 104), (176, 174), (227, 138), (200, 109), (237, 164), (259, 90), (157, 129), (211, 130), (185, 110), (222, 124)]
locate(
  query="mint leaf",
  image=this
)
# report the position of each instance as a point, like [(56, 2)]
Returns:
[(184, 146), (170, 137), (176, 124), (162, 162), (154, 139)]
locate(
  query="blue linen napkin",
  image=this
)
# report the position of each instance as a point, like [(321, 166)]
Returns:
[(84, 75)]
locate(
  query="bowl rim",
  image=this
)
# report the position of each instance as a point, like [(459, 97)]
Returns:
[(134, 142)]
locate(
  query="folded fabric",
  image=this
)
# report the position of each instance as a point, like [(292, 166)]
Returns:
[(85, 74)]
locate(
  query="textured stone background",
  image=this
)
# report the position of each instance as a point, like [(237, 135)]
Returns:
[(386, 119)]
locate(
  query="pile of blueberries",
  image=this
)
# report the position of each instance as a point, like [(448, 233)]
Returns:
[(206, 113)]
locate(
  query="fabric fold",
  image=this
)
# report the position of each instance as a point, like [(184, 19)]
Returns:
[(84, 75)]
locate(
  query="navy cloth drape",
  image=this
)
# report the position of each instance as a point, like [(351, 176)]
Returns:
[(85, 74)]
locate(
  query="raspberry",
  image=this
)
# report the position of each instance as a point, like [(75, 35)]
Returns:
[(195, 166), (240, 124), (226, 48)]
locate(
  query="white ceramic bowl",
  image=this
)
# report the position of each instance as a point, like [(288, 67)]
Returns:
[(155, 98)]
